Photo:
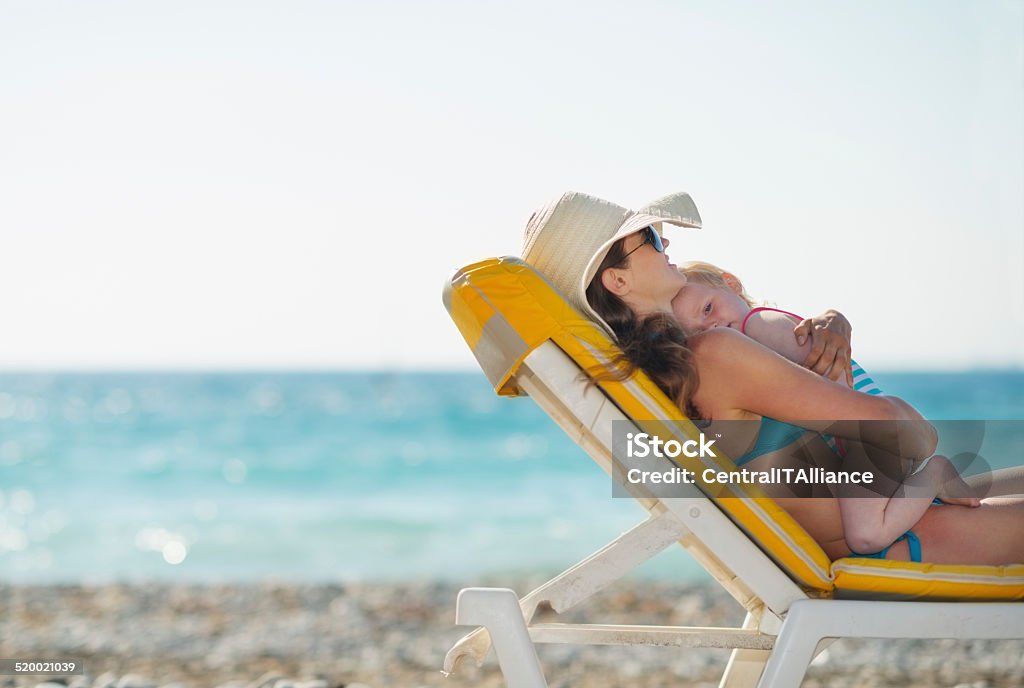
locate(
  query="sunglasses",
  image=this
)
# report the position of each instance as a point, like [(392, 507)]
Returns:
[(650, 237)]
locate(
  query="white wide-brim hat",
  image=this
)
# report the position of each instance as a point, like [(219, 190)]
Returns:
[(568, 238)]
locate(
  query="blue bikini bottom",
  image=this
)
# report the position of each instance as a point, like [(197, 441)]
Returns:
[(913, 542)]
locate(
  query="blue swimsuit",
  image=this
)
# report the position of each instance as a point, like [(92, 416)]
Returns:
[(773, 435)]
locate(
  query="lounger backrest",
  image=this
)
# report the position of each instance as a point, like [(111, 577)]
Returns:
[(505, 310)]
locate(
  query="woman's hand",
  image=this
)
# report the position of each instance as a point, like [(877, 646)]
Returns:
[(830, 345)]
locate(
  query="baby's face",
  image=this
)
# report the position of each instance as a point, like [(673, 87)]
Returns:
[(699, 307)]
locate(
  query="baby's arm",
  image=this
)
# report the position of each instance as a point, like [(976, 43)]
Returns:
[(775, 331)]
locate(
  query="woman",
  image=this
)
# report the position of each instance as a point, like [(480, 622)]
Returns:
[(602, 257)]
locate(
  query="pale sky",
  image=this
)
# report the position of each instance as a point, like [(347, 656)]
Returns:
[(288, 184)]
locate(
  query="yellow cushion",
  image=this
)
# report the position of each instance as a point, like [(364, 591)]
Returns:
[(875, 578)]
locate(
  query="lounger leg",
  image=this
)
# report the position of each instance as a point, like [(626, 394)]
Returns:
[(497, 609), (793, 651), (745, 666)]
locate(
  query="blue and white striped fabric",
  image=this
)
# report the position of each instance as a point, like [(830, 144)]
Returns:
[(862, 382)]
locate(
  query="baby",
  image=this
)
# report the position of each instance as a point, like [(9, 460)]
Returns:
[(713, 298), (716, 298)]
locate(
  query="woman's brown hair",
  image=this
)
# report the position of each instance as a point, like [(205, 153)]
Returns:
[(655, 344)]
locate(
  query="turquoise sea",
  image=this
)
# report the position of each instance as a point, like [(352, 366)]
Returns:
[(324, 476)]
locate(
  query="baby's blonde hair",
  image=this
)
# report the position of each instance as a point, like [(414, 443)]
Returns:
[(714, 277)]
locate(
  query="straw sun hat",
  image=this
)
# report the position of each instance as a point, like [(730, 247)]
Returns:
[(569, 237)]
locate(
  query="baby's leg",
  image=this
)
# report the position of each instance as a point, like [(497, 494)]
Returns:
[(870, 524), (873, 517)]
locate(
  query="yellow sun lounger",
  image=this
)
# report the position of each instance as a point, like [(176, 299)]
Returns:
[(529, 340)]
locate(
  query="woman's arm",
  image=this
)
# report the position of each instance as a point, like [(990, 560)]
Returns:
[(739, 377), (997, 483)]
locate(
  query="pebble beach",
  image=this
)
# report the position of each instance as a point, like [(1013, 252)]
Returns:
[(285, 635)]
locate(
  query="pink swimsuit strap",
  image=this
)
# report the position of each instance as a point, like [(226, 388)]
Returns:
[(743, 327)]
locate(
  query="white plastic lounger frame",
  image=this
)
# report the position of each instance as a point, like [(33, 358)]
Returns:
[(784, 627)]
